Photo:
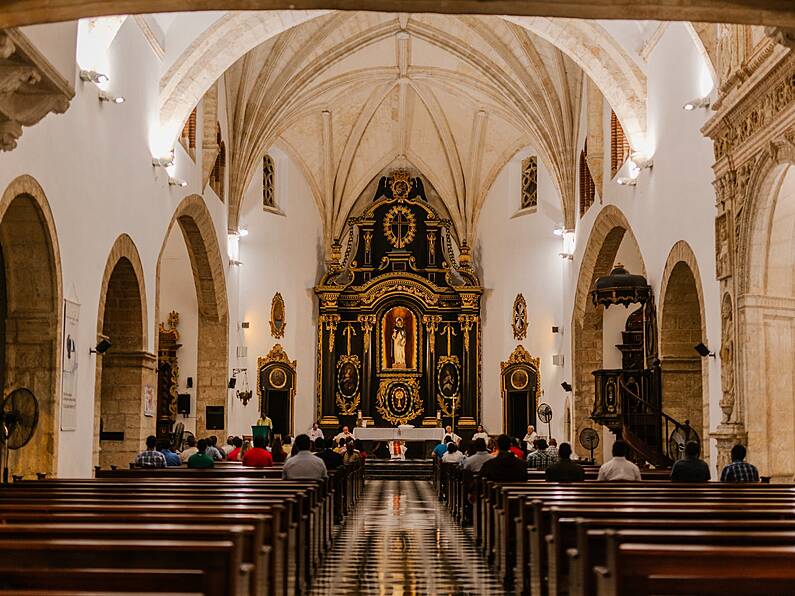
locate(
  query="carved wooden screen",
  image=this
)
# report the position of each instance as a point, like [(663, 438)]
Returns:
[(619, 146), (587, 187)]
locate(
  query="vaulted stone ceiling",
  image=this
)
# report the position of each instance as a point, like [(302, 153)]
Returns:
[(349, 93)]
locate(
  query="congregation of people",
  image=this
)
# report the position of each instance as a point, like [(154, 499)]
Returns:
[(506, 459)]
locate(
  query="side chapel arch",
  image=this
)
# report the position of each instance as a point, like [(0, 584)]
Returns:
[(682, 325), (126, 369), (607, 233), (31, 300), (198, 231)]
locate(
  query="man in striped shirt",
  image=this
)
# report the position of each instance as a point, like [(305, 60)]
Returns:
[(739, 470)]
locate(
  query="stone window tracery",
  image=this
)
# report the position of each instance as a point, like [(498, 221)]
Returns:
[(529, 182), (268, 182), (587, 186), (619, 145)]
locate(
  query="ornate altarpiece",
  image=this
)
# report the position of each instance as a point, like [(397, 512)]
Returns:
[(399, 326)]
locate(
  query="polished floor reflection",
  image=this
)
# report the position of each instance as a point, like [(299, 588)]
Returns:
[(400, 541)]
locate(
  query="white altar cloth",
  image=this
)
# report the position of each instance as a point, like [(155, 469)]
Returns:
[(399, 434)]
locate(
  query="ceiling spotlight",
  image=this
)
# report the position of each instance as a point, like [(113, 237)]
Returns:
[(163, 162), (235, 262), (626, 181), (242, 232), (640, 162), (699, 102), (92, 76), (177, 182), (105, 96)]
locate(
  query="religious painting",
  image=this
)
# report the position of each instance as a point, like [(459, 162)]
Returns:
[(448, 381), (277, 378), (519, 379), (399, 400), (278, 322), (348, 381), (519, 323), (399, 339)]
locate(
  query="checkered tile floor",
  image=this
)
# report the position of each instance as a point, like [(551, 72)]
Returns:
[(401, 541)]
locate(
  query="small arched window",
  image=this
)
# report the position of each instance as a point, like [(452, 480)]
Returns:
[(587, 186), (268, 182), (529, 182), (619, 146)]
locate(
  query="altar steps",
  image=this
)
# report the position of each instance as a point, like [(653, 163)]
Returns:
[(384, 469)]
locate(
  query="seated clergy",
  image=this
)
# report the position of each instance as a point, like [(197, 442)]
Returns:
[(304, 465), (397, 450), (150, 457)]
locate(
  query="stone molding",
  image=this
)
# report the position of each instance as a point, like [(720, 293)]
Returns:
[(30, 87)]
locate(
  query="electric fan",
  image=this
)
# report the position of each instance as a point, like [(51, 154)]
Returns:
[(589, 439), (680, 437), (544, 412), (18, 420), (178, 436)]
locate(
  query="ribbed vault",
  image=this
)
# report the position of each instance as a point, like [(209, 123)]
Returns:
[(348, 93)]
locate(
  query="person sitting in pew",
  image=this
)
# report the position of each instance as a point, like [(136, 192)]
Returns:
[(516, 449), (212, 449), (258, 456), (235, 454), (331, 458), (739, 470), (564, 470), (453, 455), (553, 448), (172, 458), (441, 448), (542, 458), (505, 466), (351, 454), (150, 457), (287, 445), (200, 459), (230, 446), (481, 455), (691, 468), (619, 468), (277, 451), (480, 433), (304, 465), (189, 450)]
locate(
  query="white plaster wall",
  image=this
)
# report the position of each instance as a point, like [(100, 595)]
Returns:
[(521, 255), (282, 254), (674, 200), (95, 166), (178, 293)]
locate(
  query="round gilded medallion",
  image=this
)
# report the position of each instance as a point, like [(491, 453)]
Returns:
[(400, 226), (519, 379), (277, 378)]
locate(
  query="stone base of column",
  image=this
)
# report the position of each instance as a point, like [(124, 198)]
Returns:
[(727, 435)]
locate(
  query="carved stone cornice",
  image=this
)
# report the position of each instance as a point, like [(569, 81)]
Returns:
[(30, 87)]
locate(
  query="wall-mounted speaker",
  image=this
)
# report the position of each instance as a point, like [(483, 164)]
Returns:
[(189, 383), (183, 403)]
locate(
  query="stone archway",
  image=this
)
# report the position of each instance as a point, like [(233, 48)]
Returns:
[(30, 321), (682, 326), (201, 240), (126, 372), (607, 234)]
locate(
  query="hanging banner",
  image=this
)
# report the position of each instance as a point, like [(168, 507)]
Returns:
[(69, 368)]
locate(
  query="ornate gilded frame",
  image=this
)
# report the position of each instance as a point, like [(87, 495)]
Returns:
[(448, 404), (519, 359), (278, 357), (519, 318), (383, 391), (348, 403), (277, 331), (418, 339)]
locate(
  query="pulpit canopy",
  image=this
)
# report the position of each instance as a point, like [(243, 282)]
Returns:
[(621, 287)]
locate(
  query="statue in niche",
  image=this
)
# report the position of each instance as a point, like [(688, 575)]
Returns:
[(726, 361), (398, 339)]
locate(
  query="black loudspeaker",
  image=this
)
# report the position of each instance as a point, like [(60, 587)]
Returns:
[(189, 383), (215, 417), (232, 382), (183, 403)]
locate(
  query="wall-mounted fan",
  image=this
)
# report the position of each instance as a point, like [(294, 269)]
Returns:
[(18, 420), (589, 439), (544, 412)]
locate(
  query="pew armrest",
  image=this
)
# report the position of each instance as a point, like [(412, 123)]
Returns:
[(604, 585)]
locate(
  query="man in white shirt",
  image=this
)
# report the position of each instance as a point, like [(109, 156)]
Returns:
[(453, 455), (480, 433), (619, 468), (315, 433), (345, 434), (530, 437), (303, 465), (477, 459), (448, 430)]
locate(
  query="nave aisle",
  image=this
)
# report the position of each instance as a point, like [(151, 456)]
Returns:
[(400, 541)]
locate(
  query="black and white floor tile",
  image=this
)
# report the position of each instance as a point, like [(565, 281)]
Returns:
[(400, 541)]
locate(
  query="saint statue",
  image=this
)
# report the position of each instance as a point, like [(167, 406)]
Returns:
[(399, 344)]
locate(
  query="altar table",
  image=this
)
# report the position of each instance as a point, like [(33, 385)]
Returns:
[(399, 434)]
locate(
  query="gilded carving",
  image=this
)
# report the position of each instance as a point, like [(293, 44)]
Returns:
[(448, 384), (278, 316), (431, 323), (400, 226), (331, 322), (399, 400), (367, 321), (519, 318), (348, 384), (467, 322)]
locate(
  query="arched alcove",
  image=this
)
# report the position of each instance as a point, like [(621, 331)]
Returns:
[(125, 374), (682, 326), (211, 317), (30, 315)]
